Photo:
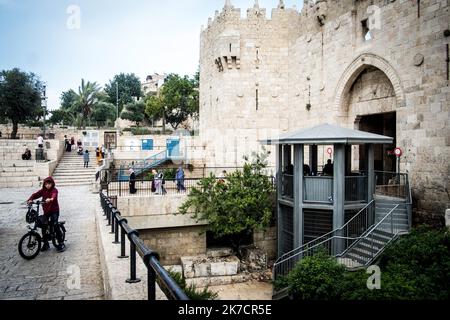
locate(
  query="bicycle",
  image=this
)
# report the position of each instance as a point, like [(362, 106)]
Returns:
[(31, 243)]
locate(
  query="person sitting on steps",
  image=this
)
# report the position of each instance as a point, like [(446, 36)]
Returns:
[(26, 155)]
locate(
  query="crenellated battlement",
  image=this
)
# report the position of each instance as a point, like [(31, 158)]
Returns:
[(230, 14)]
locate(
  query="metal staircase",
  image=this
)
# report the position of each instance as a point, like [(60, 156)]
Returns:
[(360, 241), (145, 165)]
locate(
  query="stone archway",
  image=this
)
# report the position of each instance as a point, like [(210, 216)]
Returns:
[(354, 70), (367, 98)]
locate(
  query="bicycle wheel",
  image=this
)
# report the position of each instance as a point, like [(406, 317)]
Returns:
[(30, 245), (63, 233)]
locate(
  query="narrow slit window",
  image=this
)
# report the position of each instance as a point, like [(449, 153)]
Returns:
[(257, 99), (367, 36)]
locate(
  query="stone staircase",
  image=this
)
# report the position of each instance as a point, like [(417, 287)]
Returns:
[(18, 174), (71, 172)]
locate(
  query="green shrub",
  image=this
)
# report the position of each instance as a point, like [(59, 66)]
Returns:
[(169, 174), (140, 131), (416, 267), (317, 277)]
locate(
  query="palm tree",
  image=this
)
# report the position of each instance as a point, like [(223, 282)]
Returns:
[(86, 98)]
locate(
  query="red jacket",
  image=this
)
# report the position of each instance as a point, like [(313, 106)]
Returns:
[(44, 193)]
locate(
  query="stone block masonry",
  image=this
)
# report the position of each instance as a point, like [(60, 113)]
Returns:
[(257, 75), (173, 243)]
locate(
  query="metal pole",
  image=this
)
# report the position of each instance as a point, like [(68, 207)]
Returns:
[(117, 99), (122, 244), (112, 222), (116, 231), (151, 283), (133, 278)]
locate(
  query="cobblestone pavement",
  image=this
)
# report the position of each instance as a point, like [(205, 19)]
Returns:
[(50, 275)]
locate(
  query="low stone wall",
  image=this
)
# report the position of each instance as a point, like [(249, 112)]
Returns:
[(267, 241), (173, 243), (45, 169)]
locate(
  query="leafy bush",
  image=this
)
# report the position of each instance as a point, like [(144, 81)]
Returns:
[(169, 174), (191, 291), (318, 277), (140, 131), (242, 202)]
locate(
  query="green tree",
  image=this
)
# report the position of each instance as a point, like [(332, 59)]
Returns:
[(181, 100), (68, 99), (86, 99), (240, 204), (62, 116), (154, 109), (104, 113), (129, 87), (20, 97), (134, 112)]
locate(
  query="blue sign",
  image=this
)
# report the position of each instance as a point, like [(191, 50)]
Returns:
[(147, 145), (173, 147)]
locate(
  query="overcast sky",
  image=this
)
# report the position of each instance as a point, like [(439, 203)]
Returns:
[(111, 36)]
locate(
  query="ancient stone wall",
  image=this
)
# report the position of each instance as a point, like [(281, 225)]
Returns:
[(262, 76)]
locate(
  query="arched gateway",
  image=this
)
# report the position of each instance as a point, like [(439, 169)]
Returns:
[(367, 96)]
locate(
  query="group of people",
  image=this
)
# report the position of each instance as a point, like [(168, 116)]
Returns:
[(327, 169), (158, 181), (40, 144)]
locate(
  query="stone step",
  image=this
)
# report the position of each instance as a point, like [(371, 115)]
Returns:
[(19, 179), (67, 184), (77, 167), (17, 164), (27, 184), (17, 169), (17, 174), (73, 173)]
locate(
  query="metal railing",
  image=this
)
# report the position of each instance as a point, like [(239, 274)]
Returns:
[(391, 184), (287, 186), (355, 227), (147, 187), (318, 189), (356, 189), (155, 271), (386, 225), (139, 148)]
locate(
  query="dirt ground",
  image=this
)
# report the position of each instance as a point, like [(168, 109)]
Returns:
[(252, 290)]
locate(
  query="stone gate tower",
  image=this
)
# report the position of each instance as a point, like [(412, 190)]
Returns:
[(375, 65)]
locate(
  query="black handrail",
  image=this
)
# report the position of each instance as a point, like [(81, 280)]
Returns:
[(155, 271)]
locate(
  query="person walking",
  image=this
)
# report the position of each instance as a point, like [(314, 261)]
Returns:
[(132, 184), (158, 183), (40, 141), (179, 177), (86, 159)]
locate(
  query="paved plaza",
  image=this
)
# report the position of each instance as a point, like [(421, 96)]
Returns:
[(51, 275)]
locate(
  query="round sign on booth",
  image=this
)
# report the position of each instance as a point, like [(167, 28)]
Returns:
[(330, 151), (398, 152)]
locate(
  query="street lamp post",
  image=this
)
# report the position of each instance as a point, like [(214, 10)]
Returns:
[(117, 101), (44, 107)]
